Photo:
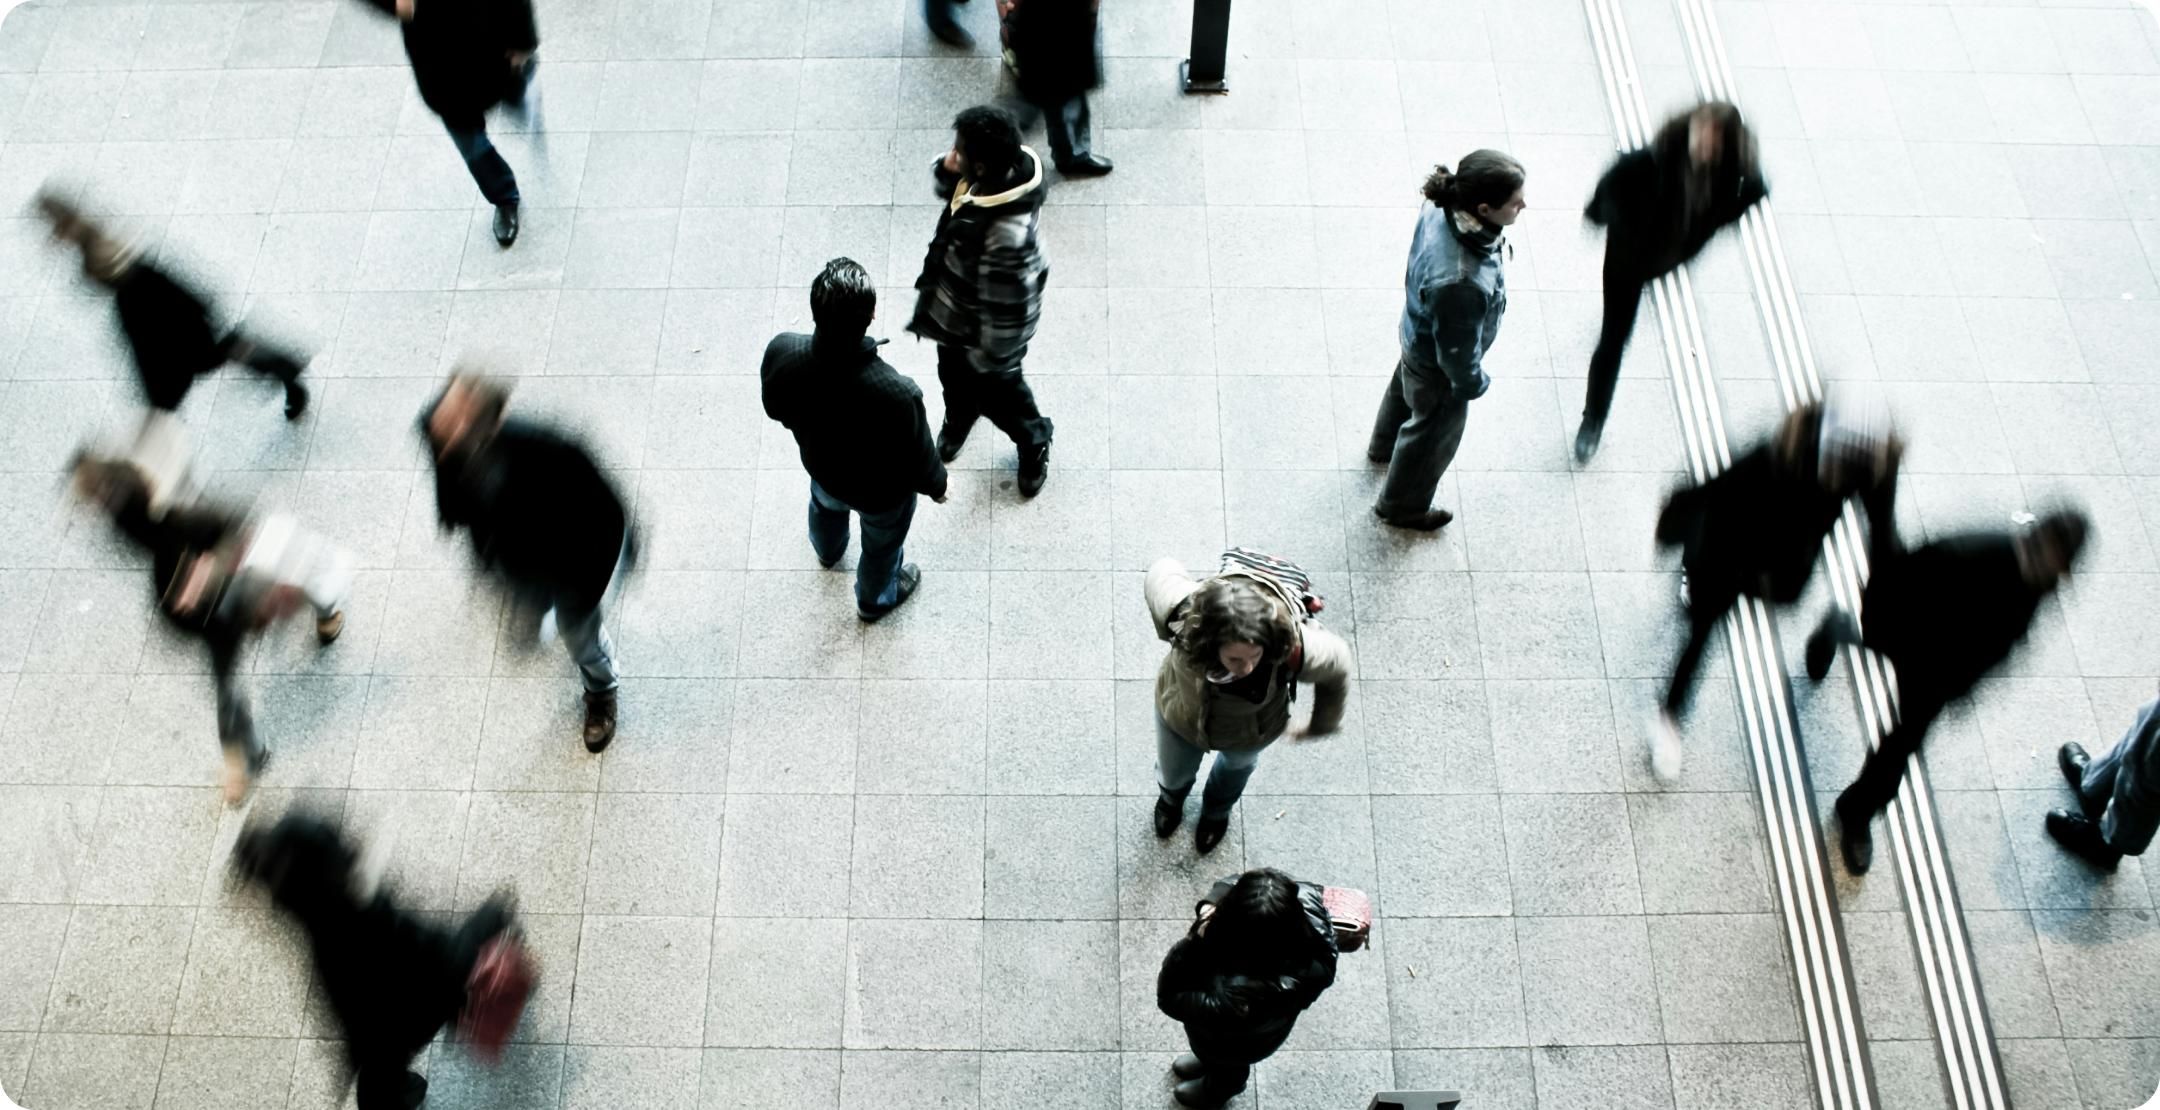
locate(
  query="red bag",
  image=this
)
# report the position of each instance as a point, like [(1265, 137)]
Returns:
[(1350, 911), (501, 983)]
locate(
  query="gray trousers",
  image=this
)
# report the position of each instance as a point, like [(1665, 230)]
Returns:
[(2118, 780), (1419, 428)]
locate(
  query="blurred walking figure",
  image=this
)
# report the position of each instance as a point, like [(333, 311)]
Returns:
[(1056, 48), (980, 292), (467, 57), (860, 427), (542, 517), (1756, 529), (1245, 970), (943, 17), (1239, 645), (222, 578), (2118, 795), (1658, 206), (1944, 614), (168, 325), (1455, 295)]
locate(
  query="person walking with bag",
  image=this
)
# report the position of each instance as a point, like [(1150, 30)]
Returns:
[(1248, 966), (1455, 295), (1056, 49), (1240, 642)]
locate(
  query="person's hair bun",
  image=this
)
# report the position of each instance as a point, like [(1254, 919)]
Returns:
[(1442, 187)]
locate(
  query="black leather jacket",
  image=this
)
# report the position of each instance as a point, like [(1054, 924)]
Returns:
[(1243, 1014)]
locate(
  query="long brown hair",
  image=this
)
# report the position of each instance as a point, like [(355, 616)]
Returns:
[(1231, 610)]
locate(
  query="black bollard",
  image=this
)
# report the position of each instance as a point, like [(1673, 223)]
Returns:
[(1203, 71), (1416, 1100)]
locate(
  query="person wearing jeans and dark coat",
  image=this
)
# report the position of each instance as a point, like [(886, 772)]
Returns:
[(1057, 49), (2118, 795), (980, 292), (1659, 205), (1241, 976), (467, 57), (862, 432), (543, 516)]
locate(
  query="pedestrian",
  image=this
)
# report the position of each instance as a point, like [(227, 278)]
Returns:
[(221, 579), (981, 288), (543, 518), (469, 56), (2118, 795), (1455, 295), (167, 325), (1238, 648), (1944, 614), (862, 433), (1756, 528), (1056, 50), (943, 16), (1658, 205), (1238, 980)]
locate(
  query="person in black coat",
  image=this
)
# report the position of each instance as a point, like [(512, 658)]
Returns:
[(1238, 981), (168, 325), (392, 979), (467, 57), (1944, 614), (542, 516), (1756, 529), (862, 432), (1057, 59), (1659, 205)]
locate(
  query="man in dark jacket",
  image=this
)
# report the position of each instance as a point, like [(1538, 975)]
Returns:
[(862, 432), (541, 515), (469, 56), (1944, 614), (1057, 52), (981, 288)]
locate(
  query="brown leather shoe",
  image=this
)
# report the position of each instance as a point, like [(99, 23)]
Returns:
[(599, 720), (327, 629)]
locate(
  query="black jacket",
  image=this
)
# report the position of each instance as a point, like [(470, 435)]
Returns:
[(1643, 203), (540, 512), (858, 422), (169, 330), (1058, 49), (172, 541), (1947, 612), (1242, 1015), (460, 51)]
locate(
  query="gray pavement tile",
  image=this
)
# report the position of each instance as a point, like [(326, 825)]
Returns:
[(149, 847), (778, 983), (424, 831), (916, 984), (248, 972), (1156, 514), (2020, 1003), (1500, 1077), (120, 970), (1553, 736), (1570, 854), (2038, 1073), (749, 1078), (793, 735), (1318, 1080), (529, 740), (940, 635), (922, 737), (45, 832), (785, 855), (1142, 944), (655, 854), (1427, 737), (1414, 625), (910, 1080), (1772, 1076), (1587, 980), (1537, 626), (1315, 838), (936, 841), (621, 248), (58, 727), (596, 1078), (825, 643), (1724, 978), (1698, 853), (1892, 999), (1053, 1080), (1049, 624), (99, 1070), (420, 733), (2086, 955), (529, 843), (527, 1075), (1049, 985), (1455, 983), (2112, 1070), (1164, 877), (642, 981), (211, 1073), (26, 968), (1978, 843), (1572, 1078), (1050, 858), (1052, 737)]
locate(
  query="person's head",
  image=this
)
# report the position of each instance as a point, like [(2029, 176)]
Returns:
[(1709, 135), (842, 300), (105, 482), (1486, 184), (986, 139), (1262, 923), (302, 861), (104, 258), (2048, 549), (469, 410), (1233, 625)]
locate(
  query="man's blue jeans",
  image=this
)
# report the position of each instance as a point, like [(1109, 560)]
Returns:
[(877, 575)]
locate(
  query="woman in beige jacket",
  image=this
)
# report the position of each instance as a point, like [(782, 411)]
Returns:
[(1238, 649)]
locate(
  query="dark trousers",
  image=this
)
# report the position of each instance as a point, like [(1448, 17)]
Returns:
[(489, 171), (1921, 698), (1001, 395), (940, 12), (877, 573), (1418, 430), (1067, 124), (1707, 604), (236, 722), (384, 1073), (1623, 299)]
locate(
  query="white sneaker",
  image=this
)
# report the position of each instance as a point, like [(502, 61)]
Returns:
[(1664, 748)]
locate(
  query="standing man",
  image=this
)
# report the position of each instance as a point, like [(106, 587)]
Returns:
[(542, 516), (1057, 51), (2118, 807), (1455, 296), (862, 432), (469, 56), (981, 288), (1944, 614)]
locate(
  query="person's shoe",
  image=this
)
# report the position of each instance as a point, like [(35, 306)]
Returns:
[(1169, 814), (2083, 838), (1431, 520), (1665, 751), (949, 32), (328, 628), (1822, 644), (1378, 458), (1209, 832), (910, 579), (1200, 1094), (506, 224), (1855, 841), (950, 440), (296, 399), (242, 765), (415, 1091), (1586, 442), (1087, 165), (1034, 470), (1188, 1066), (2073, 760), (599, 720)]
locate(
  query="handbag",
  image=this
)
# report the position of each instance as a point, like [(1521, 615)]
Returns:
[(1349, 910), (501, 982)]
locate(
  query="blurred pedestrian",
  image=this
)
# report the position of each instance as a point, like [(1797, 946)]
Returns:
[(168, 325), (1455, 296), (2118, 795), (467, 57), (1659, 205), (1239, 645), (1238, 980), (542, 516), (860, 427), (943, 17), (1756, 529), (1056, 50), (1944, 614), (980, 293)]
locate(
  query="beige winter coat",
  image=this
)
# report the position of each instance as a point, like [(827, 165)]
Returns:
[(1213, 721)]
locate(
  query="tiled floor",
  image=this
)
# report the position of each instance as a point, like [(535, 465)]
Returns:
[(909, 866)]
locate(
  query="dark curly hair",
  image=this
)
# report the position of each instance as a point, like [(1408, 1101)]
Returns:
[(1231, 610), (1482, 177)]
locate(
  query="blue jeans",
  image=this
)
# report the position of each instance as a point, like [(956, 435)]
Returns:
[(1177, 764), (877, 576), (2114, 780)]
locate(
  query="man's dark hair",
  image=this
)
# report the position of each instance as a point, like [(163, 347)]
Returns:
[(989, 140), (842, 300)]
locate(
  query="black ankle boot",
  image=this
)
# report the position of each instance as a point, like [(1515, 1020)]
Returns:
[(1169, 812), (1209, 832), (2083, 838)]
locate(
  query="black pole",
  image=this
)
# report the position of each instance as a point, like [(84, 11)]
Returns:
[(1203, 71)]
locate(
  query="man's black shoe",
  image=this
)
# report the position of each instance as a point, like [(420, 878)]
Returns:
[(296, 400), (2073, 760), (950, 440), (910, 579), (1087, 165), (1209, 832), (1855, 840), (1586, 442), (1201, 1094), (1034, 470), (506, 224), (2083, 838), (1431, 520), (1169, 814), (1188, 1066), (949, 32)]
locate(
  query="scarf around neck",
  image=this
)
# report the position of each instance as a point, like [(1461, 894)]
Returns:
[(1476, 232)]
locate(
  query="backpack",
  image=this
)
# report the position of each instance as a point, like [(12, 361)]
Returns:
[(1285, 577)]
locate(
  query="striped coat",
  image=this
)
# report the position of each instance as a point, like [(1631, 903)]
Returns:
[(982, 281)]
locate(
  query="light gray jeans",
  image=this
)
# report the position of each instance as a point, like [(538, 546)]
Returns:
[(1177, 764)]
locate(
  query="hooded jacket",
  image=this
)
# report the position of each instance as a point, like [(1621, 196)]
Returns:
[(460, 51), (1658, 213), (982, 281), (1242, 1014), (859, 424), (1213, 720), (540, 511), (1455, 296)]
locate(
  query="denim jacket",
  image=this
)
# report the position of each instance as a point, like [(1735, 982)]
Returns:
[(1455, 295)]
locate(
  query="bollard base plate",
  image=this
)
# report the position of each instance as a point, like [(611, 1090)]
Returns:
[(1215, 87)]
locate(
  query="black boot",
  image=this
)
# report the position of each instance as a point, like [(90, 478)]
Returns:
[(296, 400), (506, 224), (1586, 440), (1209, 832), (1169, 812), (2082, 837), (1034, 470), (1854, 839), (1188, 1066), (1822, 645), (1203, 1093), (2073, 760), (950, 439)]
